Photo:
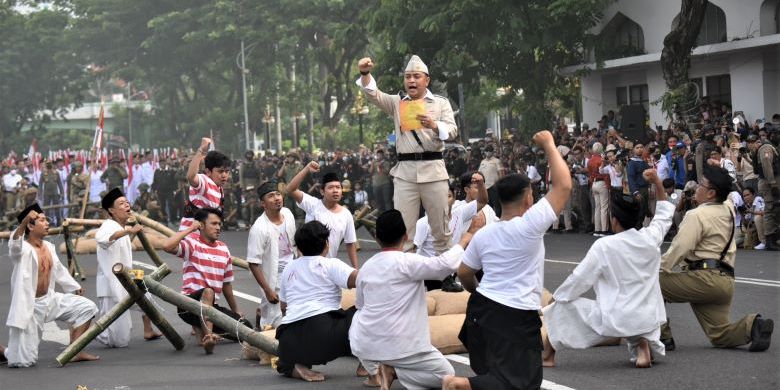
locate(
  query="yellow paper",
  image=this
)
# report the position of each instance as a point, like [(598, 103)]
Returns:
[(409, 111)]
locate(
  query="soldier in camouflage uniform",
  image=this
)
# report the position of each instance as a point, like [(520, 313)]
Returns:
[(51, 186), (77, 182), (115, 175)]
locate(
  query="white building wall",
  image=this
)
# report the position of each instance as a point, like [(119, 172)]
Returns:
[(755, 75)]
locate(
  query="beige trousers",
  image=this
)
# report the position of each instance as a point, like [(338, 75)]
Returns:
[(600, 206), (408, 196), (709, 292)]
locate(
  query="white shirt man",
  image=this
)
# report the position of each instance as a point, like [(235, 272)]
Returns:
[(114, 245), (34, 301), (390, 327), (272, 247), (623, 271), (11, 181)]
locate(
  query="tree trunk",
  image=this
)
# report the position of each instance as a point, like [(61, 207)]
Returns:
[(676, 55)]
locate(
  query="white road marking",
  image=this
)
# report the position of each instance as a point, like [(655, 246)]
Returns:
[(753, 281), (546, 385)]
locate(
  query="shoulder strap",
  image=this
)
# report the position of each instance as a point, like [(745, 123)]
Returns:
[(417, 138), (731, 236)]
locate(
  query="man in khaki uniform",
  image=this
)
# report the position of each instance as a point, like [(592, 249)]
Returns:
[(705, 242), (420, 175), (769, 187)]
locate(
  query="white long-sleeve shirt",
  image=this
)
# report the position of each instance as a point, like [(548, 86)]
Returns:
[(623, 271), (392, 317), (110, 252), (24, 279)]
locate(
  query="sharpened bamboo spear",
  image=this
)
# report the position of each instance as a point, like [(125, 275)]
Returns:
[(166, 231), (103, 323), (73, 265), (154, 315), (145, 243), (222, 320)]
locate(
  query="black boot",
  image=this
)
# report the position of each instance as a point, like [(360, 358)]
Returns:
[(449, 284), (771, 243), (669, 344), (761, 334)]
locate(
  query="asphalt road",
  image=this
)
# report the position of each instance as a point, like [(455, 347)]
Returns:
[(156, 365)]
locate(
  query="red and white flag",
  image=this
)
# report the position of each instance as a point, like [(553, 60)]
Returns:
[(97, 141)]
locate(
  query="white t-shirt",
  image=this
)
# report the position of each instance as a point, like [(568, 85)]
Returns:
[(460, 214), (340, 224), (285, 245), (423, 239), (511, 254), (533, 174), (311, 285)]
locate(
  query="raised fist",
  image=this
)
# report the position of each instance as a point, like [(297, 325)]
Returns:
[(543, 137), (365, 64)]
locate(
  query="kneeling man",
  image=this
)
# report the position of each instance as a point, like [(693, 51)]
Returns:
[(33, 299), (623, 271), (314, 328), (390, 333)]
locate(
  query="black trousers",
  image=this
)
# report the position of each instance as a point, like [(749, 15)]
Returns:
[(195, 320), (504, 344), (315, 340), (493, 200)]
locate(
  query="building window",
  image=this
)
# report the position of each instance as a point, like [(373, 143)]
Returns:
[(719, 88), (634, 94), (621, 37), (622, 96), (713, 27)]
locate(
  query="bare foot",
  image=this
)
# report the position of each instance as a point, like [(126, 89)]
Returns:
[(548, 354), (3, 359), (151, 335), (386, 376), (208, 342), (643, 356), (304, 373), (372, 381), (84, 357), (451, 382), (361, 371)]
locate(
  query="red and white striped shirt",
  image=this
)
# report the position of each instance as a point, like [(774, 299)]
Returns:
[(206, 195), (205, 265)]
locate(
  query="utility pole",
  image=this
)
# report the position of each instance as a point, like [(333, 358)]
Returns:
[(243, 89)]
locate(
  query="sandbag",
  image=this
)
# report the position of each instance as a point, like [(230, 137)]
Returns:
[(444, 332), (448, 302)]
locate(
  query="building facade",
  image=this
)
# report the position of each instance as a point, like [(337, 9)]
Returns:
[(736, 60)]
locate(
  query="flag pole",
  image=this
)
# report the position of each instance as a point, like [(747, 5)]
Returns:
[(96, 144)]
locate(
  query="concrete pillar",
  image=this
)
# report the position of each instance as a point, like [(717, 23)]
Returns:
[(592, 99), (747, 84)]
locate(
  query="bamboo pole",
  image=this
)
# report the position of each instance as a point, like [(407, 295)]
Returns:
[(84, 222), (47, 208), (256, 339), (73, 264), (52, 232), (166, 231), (104, 322), (145, 243), (154, 315)]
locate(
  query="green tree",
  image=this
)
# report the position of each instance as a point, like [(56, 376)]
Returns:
[(40, 76), (518, 44)]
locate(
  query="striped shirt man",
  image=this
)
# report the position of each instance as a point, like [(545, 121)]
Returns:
[(206, 195), (205, 265)]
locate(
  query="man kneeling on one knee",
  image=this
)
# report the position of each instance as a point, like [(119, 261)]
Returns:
[(390, 333)]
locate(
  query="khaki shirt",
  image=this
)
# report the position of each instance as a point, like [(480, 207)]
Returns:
[(432, 140), (766, 154), (703, 233), (491, 169)]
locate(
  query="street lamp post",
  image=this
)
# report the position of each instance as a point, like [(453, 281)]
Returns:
[(361, 110), (268, 120), (242, 65)]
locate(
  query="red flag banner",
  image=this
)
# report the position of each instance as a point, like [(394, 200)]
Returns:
[(97, 141)]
